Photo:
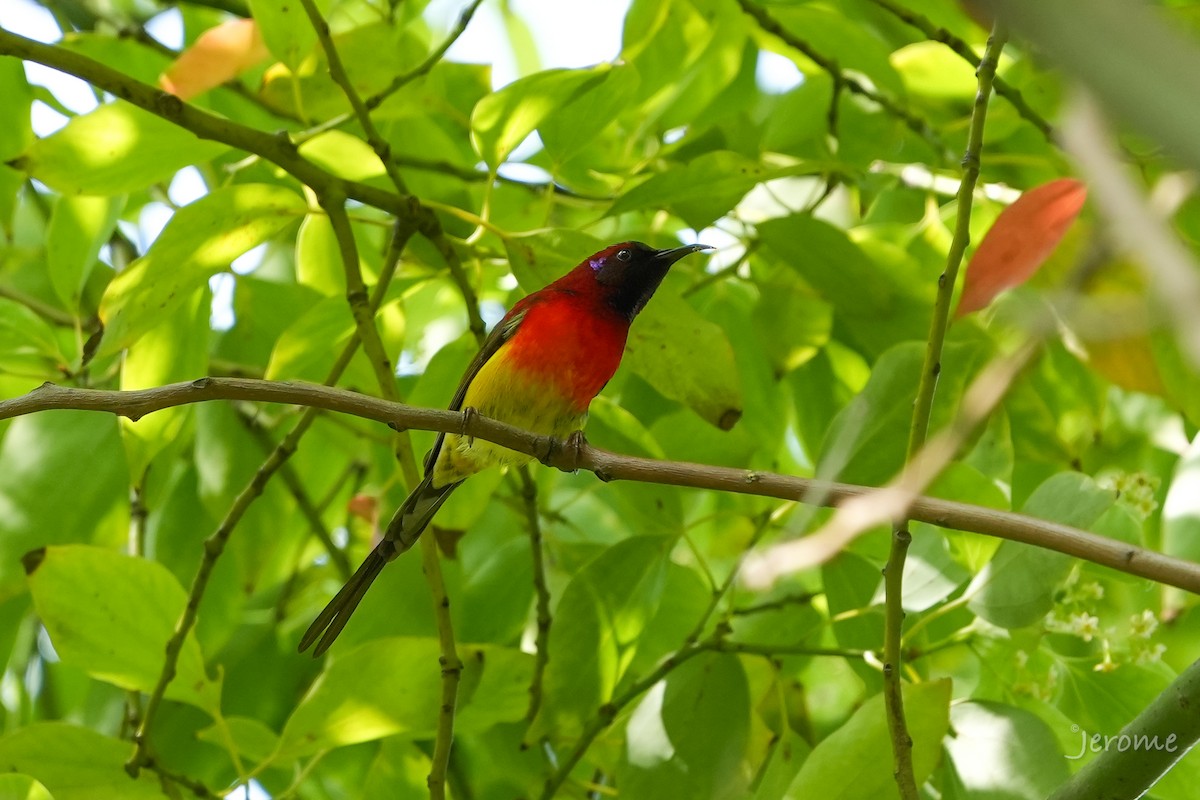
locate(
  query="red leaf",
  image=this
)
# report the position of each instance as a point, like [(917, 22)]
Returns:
[(219, 55), (1020, 241)]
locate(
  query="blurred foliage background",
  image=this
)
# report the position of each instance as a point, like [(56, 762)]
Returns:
[(818, 146)]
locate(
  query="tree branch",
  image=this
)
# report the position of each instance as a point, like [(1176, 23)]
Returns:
[(609, 466), (529, 496), (714, 644), (893, 572), (1002, 88), (277, 148), (214, 545), (842, 78), (1166, 729), (368, 334)]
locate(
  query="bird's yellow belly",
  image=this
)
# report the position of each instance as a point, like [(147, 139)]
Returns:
[(498, 392)]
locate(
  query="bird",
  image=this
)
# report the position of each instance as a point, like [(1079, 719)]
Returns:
[(538, 369)]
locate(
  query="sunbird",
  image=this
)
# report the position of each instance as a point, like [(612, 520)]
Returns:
[(539, 369)]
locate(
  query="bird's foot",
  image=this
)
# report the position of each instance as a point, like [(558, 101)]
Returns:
[(576, 443), (573, 446), (469, 415)]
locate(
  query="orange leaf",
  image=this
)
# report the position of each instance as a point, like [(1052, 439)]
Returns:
[(1020, 241), (219, 55)]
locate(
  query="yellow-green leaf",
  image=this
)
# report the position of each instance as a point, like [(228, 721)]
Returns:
[(200, 241), (686, 358), (111, 616), (116, 149), (503, 119)]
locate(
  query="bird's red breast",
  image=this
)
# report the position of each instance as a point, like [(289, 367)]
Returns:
[(569, 341)]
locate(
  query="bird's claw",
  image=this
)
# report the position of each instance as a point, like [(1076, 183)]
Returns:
[(469, 415), (576, 443), (573, 445)]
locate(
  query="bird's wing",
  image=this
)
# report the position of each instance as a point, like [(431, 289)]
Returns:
[(495, 340)]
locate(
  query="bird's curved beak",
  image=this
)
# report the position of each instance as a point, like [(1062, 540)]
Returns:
[(669, 257)]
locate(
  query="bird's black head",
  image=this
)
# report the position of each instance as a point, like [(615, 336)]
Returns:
[(629, 272)]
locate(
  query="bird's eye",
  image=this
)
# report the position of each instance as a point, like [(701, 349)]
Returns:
[(624, 255)]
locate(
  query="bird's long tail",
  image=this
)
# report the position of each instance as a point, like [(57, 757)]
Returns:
[(407, 525)]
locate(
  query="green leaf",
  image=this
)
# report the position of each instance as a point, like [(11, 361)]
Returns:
[(785, 756), (79, 226), (75, 763), (496, 596), (16, 130), (858, 47), (873, 307), (868, 439), (670, 747), (305, 348), (393, 686), (503, 119), (22, 787), (252, 739), (686, 358), (862, 750), (798, 120), (11, 182), (286, 29), (343, 155), (111, 616), (599, 620), (319, 258), (43, 453), (199, 241), (987, 734), (543, 256), (373, 54), (570, 128), (1181, 511), (1104, 701), (174, 350), (932, 70), (28, 345), (116, 149), (1017, 586), (705, 188)]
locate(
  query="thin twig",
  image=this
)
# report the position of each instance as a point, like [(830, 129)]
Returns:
[(422, 69), (609, 466), (715, 644), (1002, 88), (52, 314), (718, 592), (368, 334), (300, 494), (775, 605), (918, 433), (842, 79), (428, 225), (215, 544), (278, 149), (541, 591)]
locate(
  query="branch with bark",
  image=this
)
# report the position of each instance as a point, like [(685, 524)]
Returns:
[(609, 466)]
